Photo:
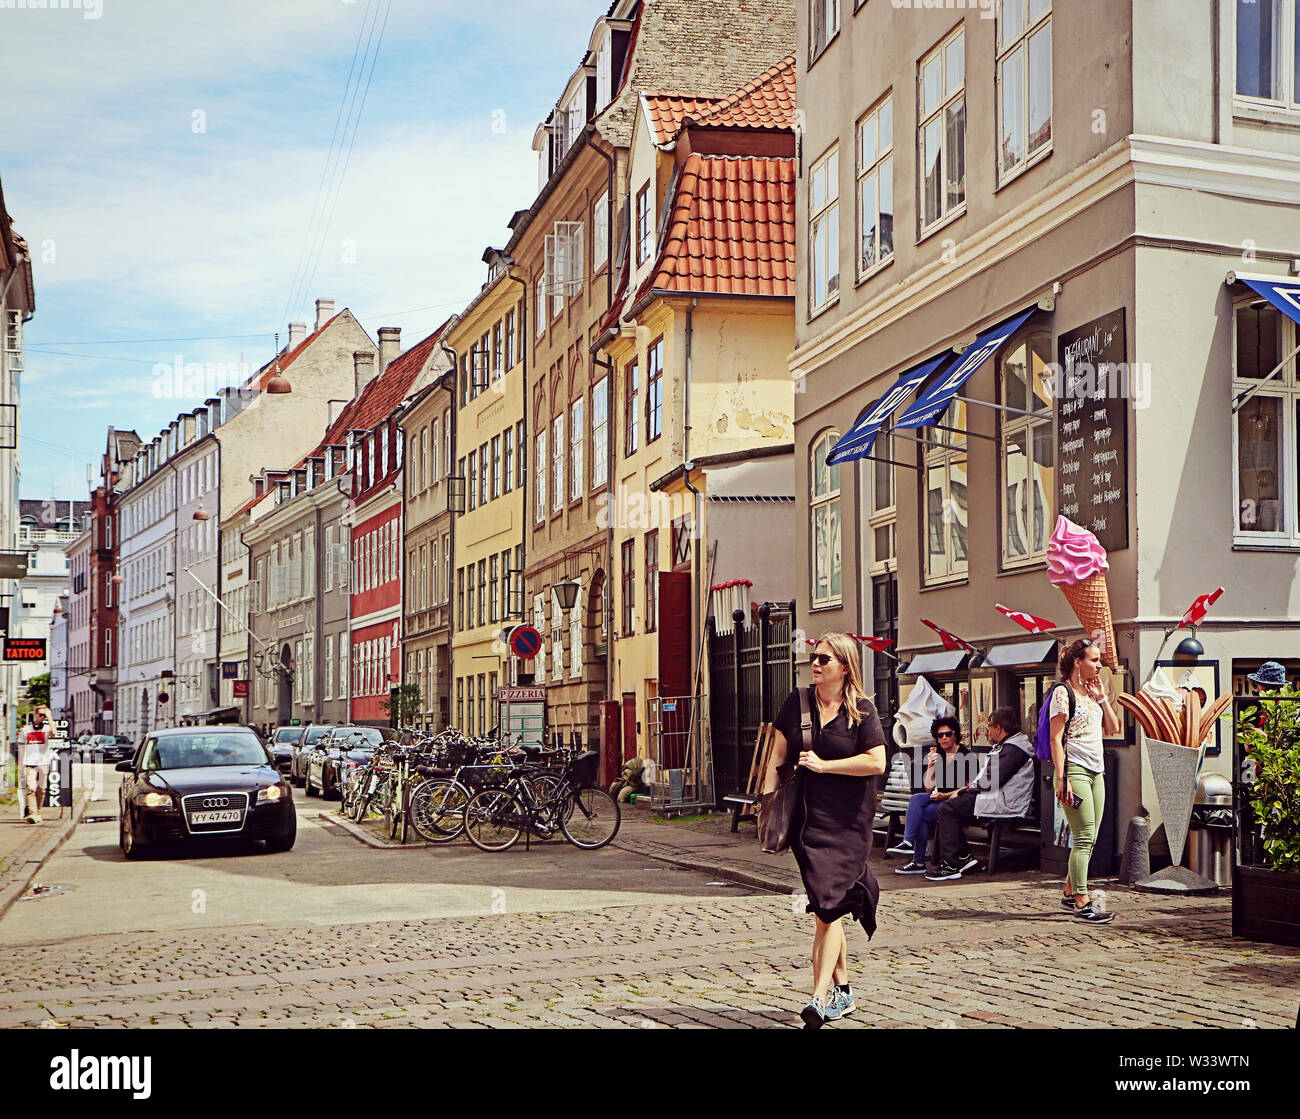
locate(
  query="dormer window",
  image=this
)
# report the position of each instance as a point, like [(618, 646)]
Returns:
[(604, 73)]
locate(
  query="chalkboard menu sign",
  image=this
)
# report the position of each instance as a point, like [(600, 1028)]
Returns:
[(1092, 429)]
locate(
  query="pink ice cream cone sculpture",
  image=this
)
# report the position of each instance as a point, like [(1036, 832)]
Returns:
[(1077, 566)]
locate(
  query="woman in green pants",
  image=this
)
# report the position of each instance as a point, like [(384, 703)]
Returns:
[(1078, 765)]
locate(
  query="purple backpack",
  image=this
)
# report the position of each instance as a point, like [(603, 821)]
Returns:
[(1043, 736)]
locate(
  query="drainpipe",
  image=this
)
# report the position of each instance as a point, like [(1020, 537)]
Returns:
[(525, 342), (610, 506), (609, 220), (449, 382), (687, 467)]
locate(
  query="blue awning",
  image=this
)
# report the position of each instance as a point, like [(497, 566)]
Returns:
[(1283, 294), (860, 439), (932, 405)]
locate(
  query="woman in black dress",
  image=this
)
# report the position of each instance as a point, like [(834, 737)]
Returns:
[(831, 834)]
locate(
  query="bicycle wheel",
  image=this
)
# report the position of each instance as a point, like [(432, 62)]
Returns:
[(589, 818), (437, 810), (392, 812), (494, 819), (544, 788)]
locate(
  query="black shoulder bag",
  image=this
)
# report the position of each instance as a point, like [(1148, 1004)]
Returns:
[(776, 810)]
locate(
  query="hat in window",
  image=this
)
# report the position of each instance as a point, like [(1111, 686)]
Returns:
[(1270, 675)]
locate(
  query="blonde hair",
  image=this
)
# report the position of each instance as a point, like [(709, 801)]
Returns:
[(845, 650)]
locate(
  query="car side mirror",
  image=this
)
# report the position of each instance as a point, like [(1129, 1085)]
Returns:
[(124, 767)]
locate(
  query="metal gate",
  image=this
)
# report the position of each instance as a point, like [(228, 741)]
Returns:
[(680, 753), (751, 671)]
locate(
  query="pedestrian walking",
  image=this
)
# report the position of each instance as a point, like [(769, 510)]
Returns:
[(37, 755), (944, 775), (1081, 712), (831, 831)]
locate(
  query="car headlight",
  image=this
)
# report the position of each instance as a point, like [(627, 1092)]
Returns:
[(271, 792), (154, 800)]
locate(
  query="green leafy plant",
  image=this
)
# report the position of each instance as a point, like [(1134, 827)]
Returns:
[(403, 704), (1270, 735)]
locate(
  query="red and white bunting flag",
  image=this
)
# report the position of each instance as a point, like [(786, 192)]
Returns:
[(1200, 608), (1028, 621), (875, 644), (950, 640)]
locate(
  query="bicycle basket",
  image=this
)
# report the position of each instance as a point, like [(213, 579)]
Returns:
[(582, 770), (477, 776)]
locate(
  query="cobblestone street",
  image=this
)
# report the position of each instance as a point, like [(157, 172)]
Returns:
[(679, 951)]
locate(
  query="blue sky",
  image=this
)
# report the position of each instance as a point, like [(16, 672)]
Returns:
[(147, 221)]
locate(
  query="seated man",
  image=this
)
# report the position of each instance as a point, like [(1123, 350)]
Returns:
[(1004, 787), (945, 773)]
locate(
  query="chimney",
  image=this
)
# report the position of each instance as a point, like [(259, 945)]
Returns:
[(363, 365), (297, 332), (390, 345), (324, 312)]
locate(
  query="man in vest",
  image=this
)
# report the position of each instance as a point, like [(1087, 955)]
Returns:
[(1004, 787)]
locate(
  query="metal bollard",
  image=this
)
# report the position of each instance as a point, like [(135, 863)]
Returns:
[(1136, 865)]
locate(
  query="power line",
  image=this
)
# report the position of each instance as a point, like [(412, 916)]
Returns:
[(347, 160), (301, 266), (127, 341)]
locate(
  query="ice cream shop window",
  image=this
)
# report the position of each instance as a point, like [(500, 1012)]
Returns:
[(1028, 451), (1266, 400), (944, 479)]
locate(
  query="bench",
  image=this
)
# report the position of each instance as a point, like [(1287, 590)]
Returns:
[(742, 804), (898, 791)]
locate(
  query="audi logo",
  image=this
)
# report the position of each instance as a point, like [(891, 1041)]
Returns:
[(216, 802)]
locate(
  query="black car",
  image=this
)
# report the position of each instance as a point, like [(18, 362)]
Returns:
[(192, 784), (303, 747), (111, 748), (281, 747)]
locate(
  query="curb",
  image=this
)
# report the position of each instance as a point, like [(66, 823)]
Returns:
[(358, 832), (756, 879), (32, 867)]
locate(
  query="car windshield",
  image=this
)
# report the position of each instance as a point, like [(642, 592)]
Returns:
[(315, 734), (104, 740), (359, 736), (287, 734), (184, 751)]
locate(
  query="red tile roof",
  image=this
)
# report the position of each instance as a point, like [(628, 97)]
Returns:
[(376, 403), (667, 113), (767, 102), (731, 229)]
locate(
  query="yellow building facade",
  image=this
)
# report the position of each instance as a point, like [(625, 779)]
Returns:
[(490, 463), (703, 401)]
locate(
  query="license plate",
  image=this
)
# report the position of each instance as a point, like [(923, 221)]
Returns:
[(229, 816)]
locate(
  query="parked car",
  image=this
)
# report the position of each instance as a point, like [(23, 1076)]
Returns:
[(303, 746), (281, 747), (332, 758), (191, 785), (113, 748)]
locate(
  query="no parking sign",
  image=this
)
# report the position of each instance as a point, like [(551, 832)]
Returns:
[(525, 642)]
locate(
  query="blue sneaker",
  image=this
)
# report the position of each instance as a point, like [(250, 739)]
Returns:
[(814, 1014), (840, 1003)]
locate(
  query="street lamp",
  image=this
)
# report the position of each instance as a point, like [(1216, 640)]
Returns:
[(566, 594)]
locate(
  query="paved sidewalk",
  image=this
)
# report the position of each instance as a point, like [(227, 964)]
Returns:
[(25, 847)]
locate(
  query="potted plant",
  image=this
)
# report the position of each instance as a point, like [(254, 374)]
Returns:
[(1266, 884)]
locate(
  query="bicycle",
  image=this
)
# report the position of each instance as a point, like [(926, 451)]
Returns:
[(588, 817), (437, 803)]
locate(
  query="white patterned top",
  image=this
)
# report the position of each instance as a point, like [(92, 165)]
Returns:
[(1082, 739)]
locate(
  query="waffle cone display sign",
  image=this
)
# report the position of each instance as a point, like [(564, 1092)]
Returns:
[(1077, 566)]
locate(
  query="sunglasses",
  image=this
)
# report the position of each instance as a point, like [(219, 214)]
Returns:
[(946, 734), (823, 659)]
